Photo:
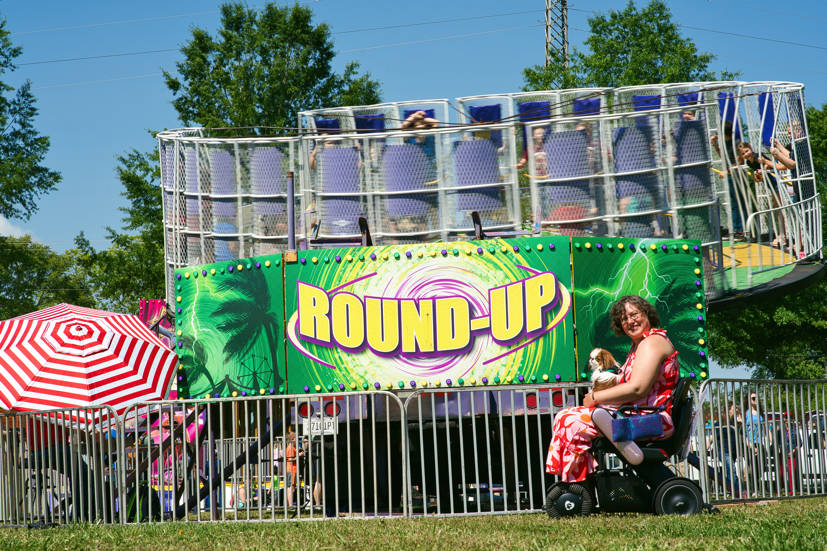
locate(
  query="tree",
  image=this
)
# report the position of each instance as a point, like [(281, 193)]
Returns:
[(817, 127), (263, 67), (33, 277), (627, 48), (776, 337), (773, 336), (133, 267), (22, 149)]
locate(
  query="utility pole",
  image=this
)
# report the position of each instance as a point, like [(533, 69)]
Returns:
[(557, 29)]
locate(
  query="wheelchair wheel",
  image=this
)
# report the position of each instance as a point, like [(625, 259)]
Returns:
[(568, 500), (678, 496)]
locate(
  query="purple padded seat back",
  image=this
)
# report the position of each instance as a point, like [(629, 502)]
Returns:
[(691, 142), (476, 164), (690, 98), (339, 173), (370, 123), (633, 148), (191, 171), (586, 106), (168, 165), (691, 146), (767, 111), (267, 171), (406, 167), (533, 111), (327, 124), (633, 151), (267, 178), (222, 173), (726, 106), (338, 170), (488, 114), (567, 156), (646, 102)]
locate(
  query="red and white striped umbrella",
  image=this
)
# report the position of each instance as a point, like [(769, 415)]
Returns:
[(67, 356)]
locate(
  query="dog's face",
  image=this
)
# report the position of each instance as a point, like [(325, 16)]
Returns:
[(601, 360)]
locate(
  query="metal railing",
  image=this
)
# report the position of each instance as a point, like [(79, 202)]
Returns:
[(771, 447), (61, 466), (453, 451)]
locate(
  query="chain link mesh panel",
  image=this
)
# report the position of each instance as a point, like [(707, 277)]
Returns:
[(651, 161), (230, 201)]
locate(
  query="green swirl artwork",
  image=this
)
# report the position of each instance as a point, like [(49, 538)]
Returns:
[(429, 315), (667, 273)]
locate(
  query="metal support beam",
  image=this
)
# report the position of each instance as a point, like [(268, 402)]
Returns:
[(557, 30)]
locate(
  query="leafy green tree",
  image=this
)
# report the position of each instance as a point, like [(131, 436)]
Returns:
[(817, 128), (784, 338), (23, 178), (772, 337), (263, 67), (133, 267), (33, 277), (627, 48)]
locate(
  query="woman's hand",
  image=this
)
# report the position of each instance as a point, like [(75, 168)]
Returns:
[(588, 399)]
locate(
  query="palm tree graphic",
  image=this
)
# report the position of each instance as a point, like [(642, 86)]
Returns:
[(246, 317)]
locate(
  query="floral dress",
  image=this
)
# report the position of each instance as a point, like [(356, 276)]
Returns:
[(568, 453)]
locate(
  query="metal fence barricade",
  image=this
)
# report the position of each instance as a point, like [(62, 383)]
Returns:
[(482, 450), (764, 439), (269, 458), (60, 466)]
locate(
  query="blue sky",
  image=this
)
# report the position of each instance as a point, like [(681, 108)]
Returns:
[(90, 124)]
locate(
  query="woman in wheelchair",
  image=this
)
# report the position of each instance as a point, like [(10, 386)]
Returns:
[(649, 378)]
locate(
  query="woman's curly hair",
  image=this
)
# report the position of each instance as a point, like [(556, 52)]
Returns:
[(618, 310)]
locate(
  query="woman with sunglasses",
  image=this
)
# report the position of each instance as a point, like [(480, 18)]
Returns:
[(647, 378)]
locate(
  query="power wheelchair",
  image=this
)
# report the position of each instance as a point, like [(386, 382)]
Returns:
[(645, 488)]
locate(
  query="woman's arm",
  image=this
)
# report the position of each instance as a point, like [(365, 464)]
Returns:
[(650, 354), (782, 155)]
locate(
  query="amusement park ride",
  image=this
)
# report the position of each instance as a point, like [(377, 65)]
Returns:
[(373, 251)]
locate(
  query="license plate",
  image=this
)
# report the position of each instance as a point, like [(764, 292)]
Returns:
[(321, 426)]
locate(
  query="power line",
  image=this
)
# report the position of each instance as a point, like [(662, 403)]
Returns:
[(435, 22), (339, 32), (132, 21), (728, 33), (435, 39), (756, 38), (96, 81), (99, 57), (420, 42), (771, 11), (114, 23), (776, 64), (744, 59)]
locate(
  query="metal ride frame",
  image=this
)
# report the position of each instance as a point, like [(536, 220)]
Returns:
[(225, 197), (473, 450)]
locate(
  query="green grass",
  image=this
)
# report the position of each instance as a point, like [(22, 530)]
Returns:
[(792, 524)]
